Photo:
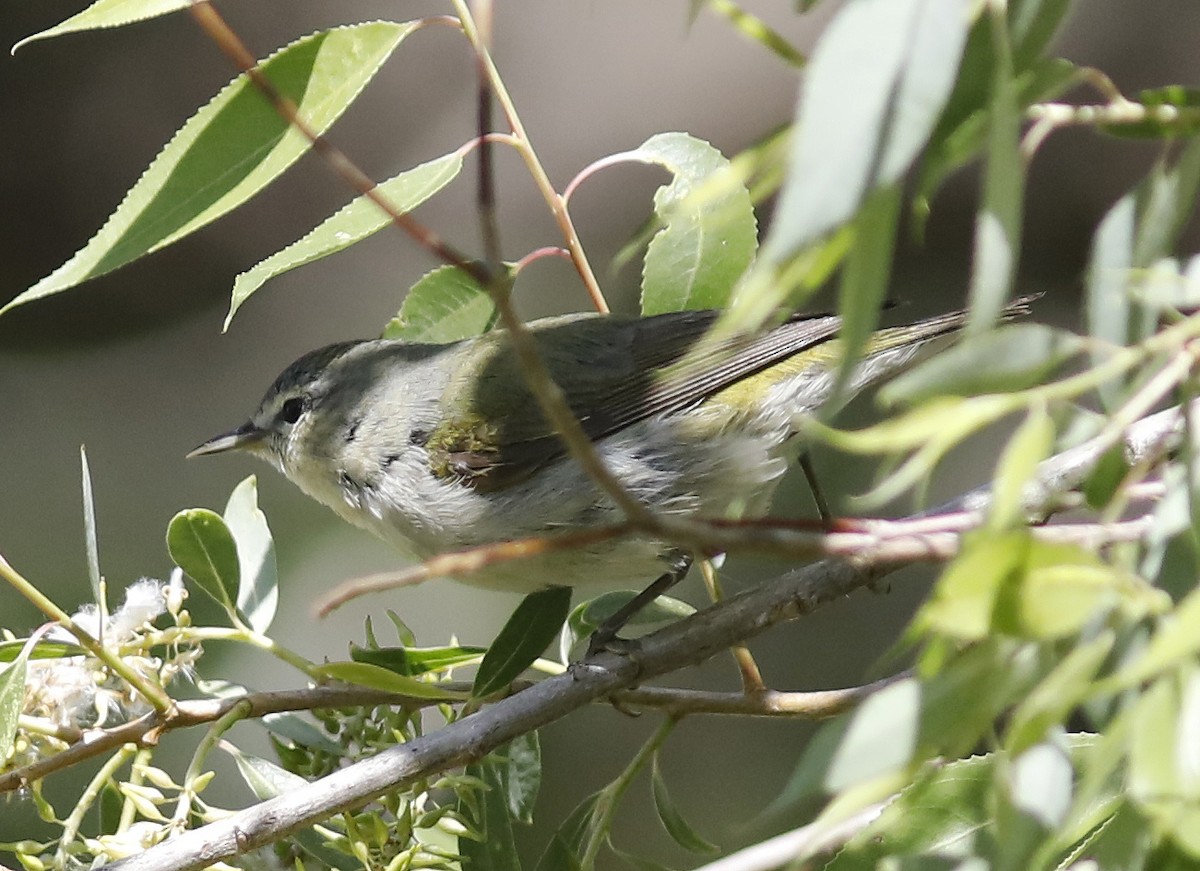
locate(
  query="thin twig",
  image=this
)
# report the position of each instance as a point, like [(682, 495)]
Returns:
[(933, 537)]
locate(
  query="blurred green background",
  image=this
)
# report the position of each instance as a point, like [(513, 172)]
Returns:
[(134, 364)]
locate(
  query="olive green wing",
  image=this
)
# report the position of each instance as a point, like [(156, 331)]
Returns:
[(613, 371)]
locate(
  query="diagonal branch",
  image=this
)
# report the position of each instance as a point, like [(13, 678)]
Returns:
[(685, 643)]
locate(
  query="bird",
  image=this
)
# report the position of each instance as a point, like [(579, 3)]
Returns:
[(441, 447)]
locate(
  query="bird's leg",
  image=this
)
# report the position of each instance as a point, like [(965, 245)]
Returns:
[(606, 634), (810, 475)]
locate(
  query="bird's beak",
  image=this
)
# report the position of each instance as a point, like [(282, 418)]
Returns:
[(245, 436)]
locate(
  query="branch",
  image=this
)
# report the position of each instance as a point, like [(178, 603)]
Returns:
[(681, 644)]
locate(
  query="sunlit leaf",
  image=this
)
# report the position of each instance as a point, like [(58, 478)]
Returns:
[(379, 678), (12, 700), (446, 305), (202, 545), (107, 13), (703, 247), (413, 661), (1026, 448), (1009, 358), (258, 587), (91, 543), (358, 220), (230, 149), (872, 93)]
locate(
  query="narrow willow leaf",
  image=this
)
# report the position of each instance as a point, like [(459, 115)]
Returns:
[(940, 813), (874, 88), (566, 848), (1026, 448), (964, 598), (265, 778), (587, 617), (523, 775), (754, 28), (1153, 771), (258, 588), (1040, 781), (961, 136), (358, 220), (89, 534), (446, 305), (302, 732), (998, 223), (10, 650), (878, 738), (1010, 358), (865, 277), (1049, 704), (231, 149), (668, 814), (706, 243), (12, 699), (202, 545), (413, 661), (376, 677), (526, 634), (107, 13), (1176, 638), (495, 849), (268, 780)]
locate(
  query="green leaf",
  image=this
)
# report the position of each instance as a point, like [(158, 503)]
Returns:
[(202, 545), (523, 775), (258, 587), (998, 224), (268, 780), (301, 732), (358, 220), (1028, 446), (1039, 783), (10, 650), (940, 814), (1057, 694), (446, 305), (12, 700), (413, 661), (876, 739), (565, 850), (668, 814), (230, 149), (265, 778), (107, 13), (376, 677), (495, 849), (873, 91), (706, 242), (1010, 358), (963, 130), (964, 598), (1177, 637), (755, 29), (588, 616), (1102, 483), (864, 282), (526, 634), (89, 534)]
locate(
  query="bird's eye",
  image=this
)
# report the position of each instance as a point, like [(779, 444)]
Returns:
[(293, 408)]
